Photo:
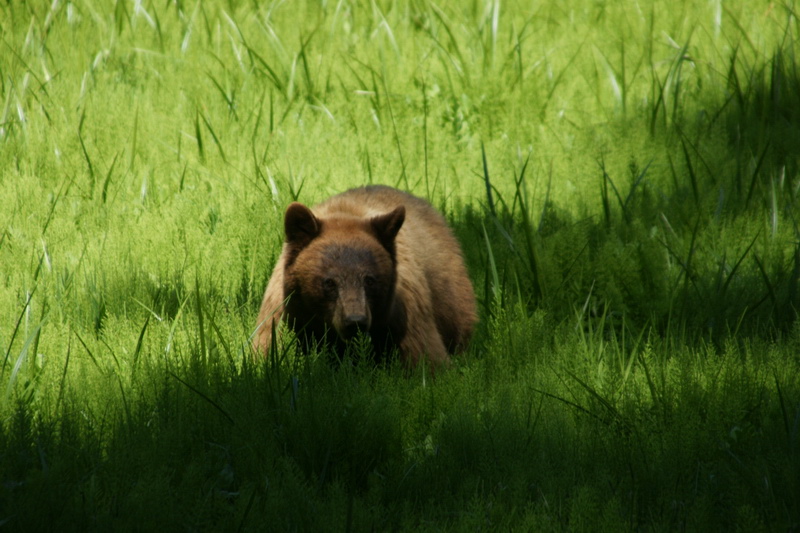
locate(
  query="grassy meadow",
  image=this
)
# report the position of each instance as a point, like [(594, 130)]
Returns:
[(624, 178)]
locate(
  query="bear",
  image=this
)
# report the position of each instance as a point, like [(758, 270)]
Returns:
[(372, 260)]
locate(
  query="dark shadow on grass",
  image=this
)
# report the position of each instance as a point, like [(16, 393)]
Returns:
[(283, 445)]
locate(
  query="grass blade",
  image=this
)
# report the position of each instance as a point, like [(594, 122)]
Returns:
[(33, 338), (487, 182), (205, 397)]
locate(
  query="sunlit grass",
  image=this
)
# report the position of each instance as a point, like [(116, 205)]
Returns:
[(624, 181)]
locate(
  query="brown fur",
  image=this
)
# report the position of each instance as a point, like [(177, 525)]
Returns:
[(373, 259)]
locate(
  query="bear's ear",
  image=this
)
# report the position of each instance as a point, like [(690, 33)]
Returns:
[(300, 225), (387, 226)]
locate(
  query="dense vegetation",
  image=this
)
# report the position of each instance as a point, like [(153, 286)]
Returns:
[(624, 179)]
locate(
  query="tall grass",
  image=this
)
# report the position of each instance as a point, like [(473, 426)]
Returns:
[(623, 180)]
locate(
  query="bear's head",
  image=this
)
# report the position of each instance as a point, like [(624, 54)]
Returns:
[(340, 271)]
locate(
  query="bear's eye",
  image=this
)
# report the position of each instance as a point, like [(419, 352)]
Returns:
[(370, 281), (329, 285)]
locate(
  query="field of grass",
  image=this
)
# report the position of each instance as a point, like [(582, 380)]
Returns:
[(624, 179)]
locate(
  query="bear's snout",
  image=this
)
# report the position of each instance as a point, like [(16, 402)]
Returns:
[(354, 324), (352, 313)]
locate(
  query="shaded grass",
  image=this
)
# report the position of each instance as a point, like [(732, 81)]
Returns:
[(696, 439), (624, 184)]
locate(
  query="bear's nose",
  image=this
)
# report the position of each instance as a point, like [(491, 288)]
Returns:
[(353, 324)]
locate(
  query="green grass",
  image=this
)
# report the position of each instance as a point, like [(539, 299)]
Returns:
[(624, 180)]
